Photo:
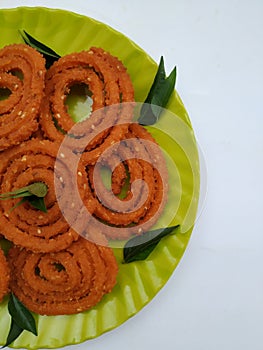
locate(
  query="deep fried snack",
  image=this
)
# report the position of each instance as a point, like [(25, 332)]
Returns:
[(4, 275), (22, 75), (109, 83), (68, 282), (137, 157), (33, 161)]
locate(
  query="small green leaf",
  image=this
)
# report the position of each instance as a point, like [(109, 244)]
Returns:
[(21, 319), (140, 247), (160, 76), (50, 55), (14, 333), (21, 315), (33, 194), (37, 203), (158, 96), (38, 189)]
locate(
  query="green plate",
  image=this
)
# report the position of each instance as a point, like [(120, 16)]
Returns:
[(138, 282)]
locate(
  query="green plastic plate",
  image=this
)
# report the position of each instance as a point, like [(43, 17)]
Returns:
[(138, 282)]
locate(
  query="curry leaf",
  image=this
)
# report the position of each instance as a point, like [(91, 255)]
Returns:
[(37, 203), (158, 96), (33, 194), (50, 55), (14, 333), (21, 315), (140, 247), (38, 189), (21, 319)]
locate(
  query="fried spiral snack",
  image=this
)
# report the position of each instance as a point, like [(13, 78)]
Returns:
[(4, 275), (138, 157), (57, 268), (22, 74), (30, 162), (67, 282), (109, 83)]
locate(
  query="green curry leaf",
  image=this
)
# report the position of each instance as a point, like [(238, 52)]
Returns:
[(14, 333), (33, 194), (158, 96), (140, 247), (21, 315), (21, 319), (50, 55)]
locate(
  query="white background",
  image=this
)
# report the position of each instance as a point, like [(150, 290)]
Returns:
[(214, 299)]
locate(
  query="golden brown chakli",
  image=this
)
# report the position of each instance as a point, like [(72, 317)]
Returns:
[(54, 270), (136, 158), (68, 282), (33, 161), (109, 84), (22, 74)]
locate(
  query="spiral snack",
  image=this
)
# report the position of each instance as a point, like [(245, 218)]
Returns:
[(22, 75), (4, 275), (30, 162), (108, 82), (139, 161), (68, 282)]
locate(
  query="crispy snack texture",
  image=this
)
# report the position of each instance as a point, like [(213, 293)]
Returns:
[(109, 84), (33, 161), (4, 275), (67, 282), (52, 267), (137, 158), (22, 77)]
